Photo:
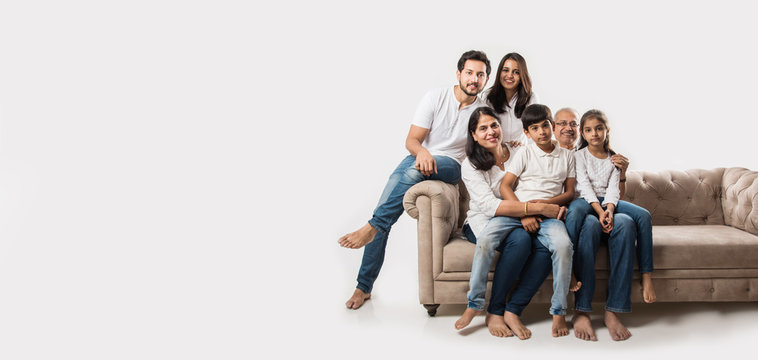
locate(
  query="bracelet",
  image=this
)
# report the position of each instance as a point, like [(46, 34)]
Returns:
[(622, 180), (526, 208)]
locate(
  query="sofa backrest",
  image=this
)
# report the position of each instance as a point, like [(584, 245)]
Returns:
[(740, 199), (691, 197)]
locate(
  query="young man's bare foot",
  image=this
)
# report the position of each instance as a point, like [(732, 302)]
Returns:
[(617, 330), (357, 300), (648, 291), (514, 323), (466, 318), (497, 326), (358, 238), (583, 326), (560, 328), (575, 285)]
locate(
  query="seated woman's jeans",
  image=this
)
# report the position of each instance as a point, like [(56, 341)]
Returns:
[(390, 208), (579, 208), (523, 257)]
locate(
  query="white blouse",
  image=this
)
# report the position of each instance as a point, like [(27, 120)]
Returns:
[(596, 178)]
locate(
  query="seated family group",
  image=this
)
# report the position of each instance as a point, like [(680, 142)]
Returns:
[(541, 202)]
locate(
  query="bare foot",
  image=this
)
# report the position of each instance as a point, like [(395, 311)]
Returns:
[(359, 238), (575, 285), (466, 318), (617, 330), (497, 326), (514, 323), (583, 326), (357, 300), (648, 291), (560, 328)]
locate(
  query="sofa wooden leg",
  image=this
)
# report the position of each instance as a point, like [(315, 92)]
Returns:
[(431, 309)]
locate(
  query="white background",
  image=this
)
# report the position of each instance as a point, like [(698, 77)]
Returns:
[(174, 175)]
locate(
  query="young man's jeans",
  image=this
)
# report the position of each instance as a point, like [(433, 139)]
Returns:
[(390, 208), (521, 257), (621, 256), (579, 208)]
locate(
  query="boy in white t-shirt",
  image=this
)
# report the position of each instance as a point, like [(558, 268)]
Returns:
[(543, 170)]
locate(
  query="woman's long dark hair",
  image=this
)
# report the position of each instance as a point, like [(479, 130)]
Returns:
[(497, 97), (477, 155), (599, 116)]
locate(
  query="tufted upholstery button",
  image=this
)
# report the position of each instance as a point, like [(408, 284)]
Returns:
[(689, 198), (676, 220), (676, 290), (660, 198), (711, 290)]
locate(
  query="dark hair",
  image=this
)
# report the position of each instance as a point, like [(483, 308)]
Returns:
[(599, 116), (535, 113), (477, 155), (497, 97), (474, 55)]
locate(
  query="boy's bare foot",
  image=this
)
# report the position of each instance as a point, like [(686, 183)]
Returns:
[(583, 326), (617, 330), (575, 285), (466, 318), (514, 323), (497, 326), (648, 291), (359, 238), (560, 328), (357, 300)]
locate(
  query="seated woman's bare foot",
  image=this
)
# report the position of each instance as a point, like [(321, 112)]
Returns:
[(583, 326), (359, 238), (560, 328), (357, 300), (617, 330), (648, 291), (575, 285), (466, 318), (497, 326), (514, 323)]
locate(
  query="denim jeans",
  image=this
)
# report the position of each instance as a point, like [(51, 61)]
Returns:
[(489, 239), (621, 256), (552, 234), (521, 256), (390, 208), (579, 208)]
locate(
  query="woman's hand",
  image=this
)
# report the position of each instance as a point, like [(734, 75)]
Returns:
[(552, 210), (425, 162), (514, 144), (531, 223)]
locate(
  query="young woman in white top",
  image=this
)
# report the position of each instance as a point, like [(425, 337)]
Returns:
[(510, 95), (492, 222)]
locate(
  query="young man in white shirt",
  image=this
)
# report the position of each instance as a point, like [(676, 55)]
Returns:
[(436, 142)]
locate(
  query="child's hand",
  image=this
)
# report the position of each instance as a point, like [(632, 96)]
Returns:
[(606, 220), (553, 211), (531, 223)]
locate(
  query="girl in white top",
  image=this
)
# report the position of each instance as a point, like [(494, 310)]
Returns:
[(510, 95), (490, 218)]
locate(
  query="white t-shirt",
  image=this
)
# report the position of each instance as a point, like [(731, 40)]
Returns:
[(512, 128), (541, 175), (448, 126), (484, 191), (596, 177)]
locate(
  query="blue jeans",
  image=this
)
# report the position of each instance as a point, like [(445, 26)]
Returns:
[(390, 208), (552, 234), (489, 239), (521, 256), (621, 255), (579, 208)]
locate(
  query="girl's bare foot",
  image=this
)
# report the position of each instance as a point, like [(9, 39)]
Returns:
[(514, 323), (560, 328), (357, 300), (359, 238), (583, 326), (648, 291), (574, 285), (497, 326), (617, 330), (466, 318)]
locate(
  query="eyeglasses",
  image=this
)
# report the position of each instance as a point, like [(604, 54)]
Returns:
[(564, 123)]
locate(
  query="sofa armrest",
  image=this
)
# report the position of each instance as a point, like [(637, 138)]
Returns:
[(740, 199), (435, 205)]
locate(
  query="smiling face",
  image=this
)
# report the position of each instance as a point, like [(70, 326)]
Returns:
[(594, 132), (473, 77), (510, 75), (487, 133), (565, 128)]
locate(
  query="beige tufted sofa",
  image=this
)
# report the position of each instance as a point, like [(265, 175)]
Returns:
[(705, 237)]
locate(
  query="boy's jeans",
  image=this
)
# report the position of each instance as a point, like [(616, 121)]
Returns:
[(552, 234), (390, 208)]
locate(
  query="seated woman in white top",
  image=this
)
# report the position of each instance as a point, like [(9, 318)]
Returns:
[(510, 95), (489, 222)]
